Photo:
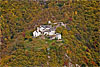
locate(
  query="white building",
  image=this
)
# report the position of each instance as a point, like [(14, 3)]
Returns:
[(52, 37), (54, 23), (47, 30), (46, 33), (58, 36), (61, 23), (51, 32), (45, 27), (36, 33), (78, 65), (41, 29), (49, 22)]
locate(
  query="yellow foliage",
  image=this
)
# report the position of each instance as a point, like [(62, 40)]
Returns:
[(6, 2), (4, 60), (75, 12), (1, 16), (5, 38), (64, 32), (27, 13)]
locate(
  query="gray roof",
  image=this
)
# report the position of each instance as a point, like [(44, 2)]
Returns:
[(46, 26), (51, 29), (47, 30), (58, 34)]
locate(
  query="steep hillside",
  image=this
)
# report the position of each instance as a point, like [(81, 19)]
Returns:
[(80, 41)]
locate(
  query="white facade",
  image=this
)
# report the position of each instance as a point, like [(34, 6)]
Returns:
[(47, 30), (41, 29), (38, 28), (52, 33), (62, 24), (58, 36), (52, 38), (78, 65), (54, 23), (36, 33), (49, 22), (46, 33)]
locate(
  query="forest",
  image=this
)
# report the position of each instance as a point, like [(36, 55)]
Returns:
[(80, 39)]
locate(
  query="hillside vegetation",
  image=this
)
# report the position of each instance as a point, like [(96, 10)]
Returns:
[(80, 39)]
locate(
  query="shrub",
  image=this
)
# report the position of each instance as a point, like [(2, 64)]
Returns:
[(12, 37), (31, 33), (64, 33), (25, 38), (60, 4), (83, 65), (59, 29), (30, 39)]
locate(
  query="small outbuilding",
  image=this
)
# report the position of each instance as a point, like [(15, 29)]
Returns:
[(49, 22), (36, 33), (58, 36)]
